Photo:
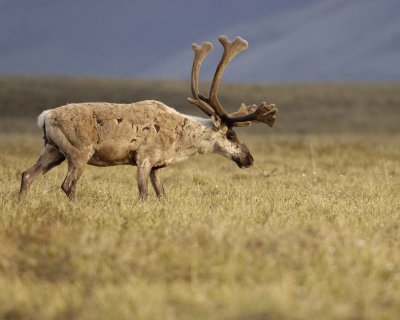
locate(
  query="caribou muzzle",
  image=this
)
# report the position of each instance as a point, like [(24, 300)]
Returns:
[(245, 160)]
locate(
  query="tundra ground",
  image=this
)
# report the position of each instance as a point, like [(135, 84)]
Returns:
[(312, 231)]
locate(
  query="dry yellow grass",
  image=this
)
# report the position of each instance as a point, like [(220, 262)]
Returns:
[(312, 231)]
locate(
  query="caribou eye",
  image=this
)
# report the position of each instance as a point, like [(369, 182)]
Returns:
[(231, 135)]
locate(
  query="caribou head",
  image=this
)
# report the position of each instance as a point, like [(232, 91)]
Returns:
[(227, 144)]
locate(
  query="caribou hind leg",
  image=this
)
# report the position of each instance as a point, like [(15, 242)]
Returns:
[(75, 169), (77, 159), (50, 158)]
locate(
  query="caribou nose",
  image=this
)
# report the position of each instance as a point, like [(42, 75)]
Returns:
[(249, 160)]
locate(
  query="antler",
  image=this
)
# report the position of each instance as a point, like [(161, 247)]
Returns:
[(200, 52), (265, 113), (231, 49)]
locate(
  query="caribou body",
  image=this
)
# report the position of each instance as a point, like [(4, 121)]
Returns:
[(147, 134)]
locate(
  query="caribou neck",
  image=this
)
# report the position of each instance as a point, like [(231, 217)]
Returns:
[(199, 141)]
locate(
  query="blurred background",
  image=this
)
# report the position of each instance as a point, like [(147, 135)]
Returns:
[(333, 64)]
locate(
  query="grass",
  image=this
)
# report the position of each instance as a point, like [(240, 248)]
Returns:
[(312, 231)]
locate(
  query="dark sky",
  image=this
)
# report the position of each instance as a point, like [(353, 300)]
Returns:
[(289, 40)]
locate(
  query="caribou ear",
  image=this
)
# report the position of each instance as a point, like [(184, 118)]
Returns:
[(216, 121)]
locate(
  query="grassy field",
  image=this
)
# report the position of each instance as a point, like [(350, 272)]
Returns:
[(312, 231)]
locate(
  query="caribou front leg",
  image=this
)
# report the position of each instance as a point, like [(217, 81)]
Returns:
[(156, 182), (143, 172)]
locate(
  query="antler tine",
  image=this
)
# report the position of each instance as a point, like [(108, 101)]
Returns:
[(265, 113), (231, 49), (200, 52)]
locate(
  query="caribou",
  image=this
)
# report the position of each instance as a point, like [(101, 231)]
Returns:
[(146, 134)]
